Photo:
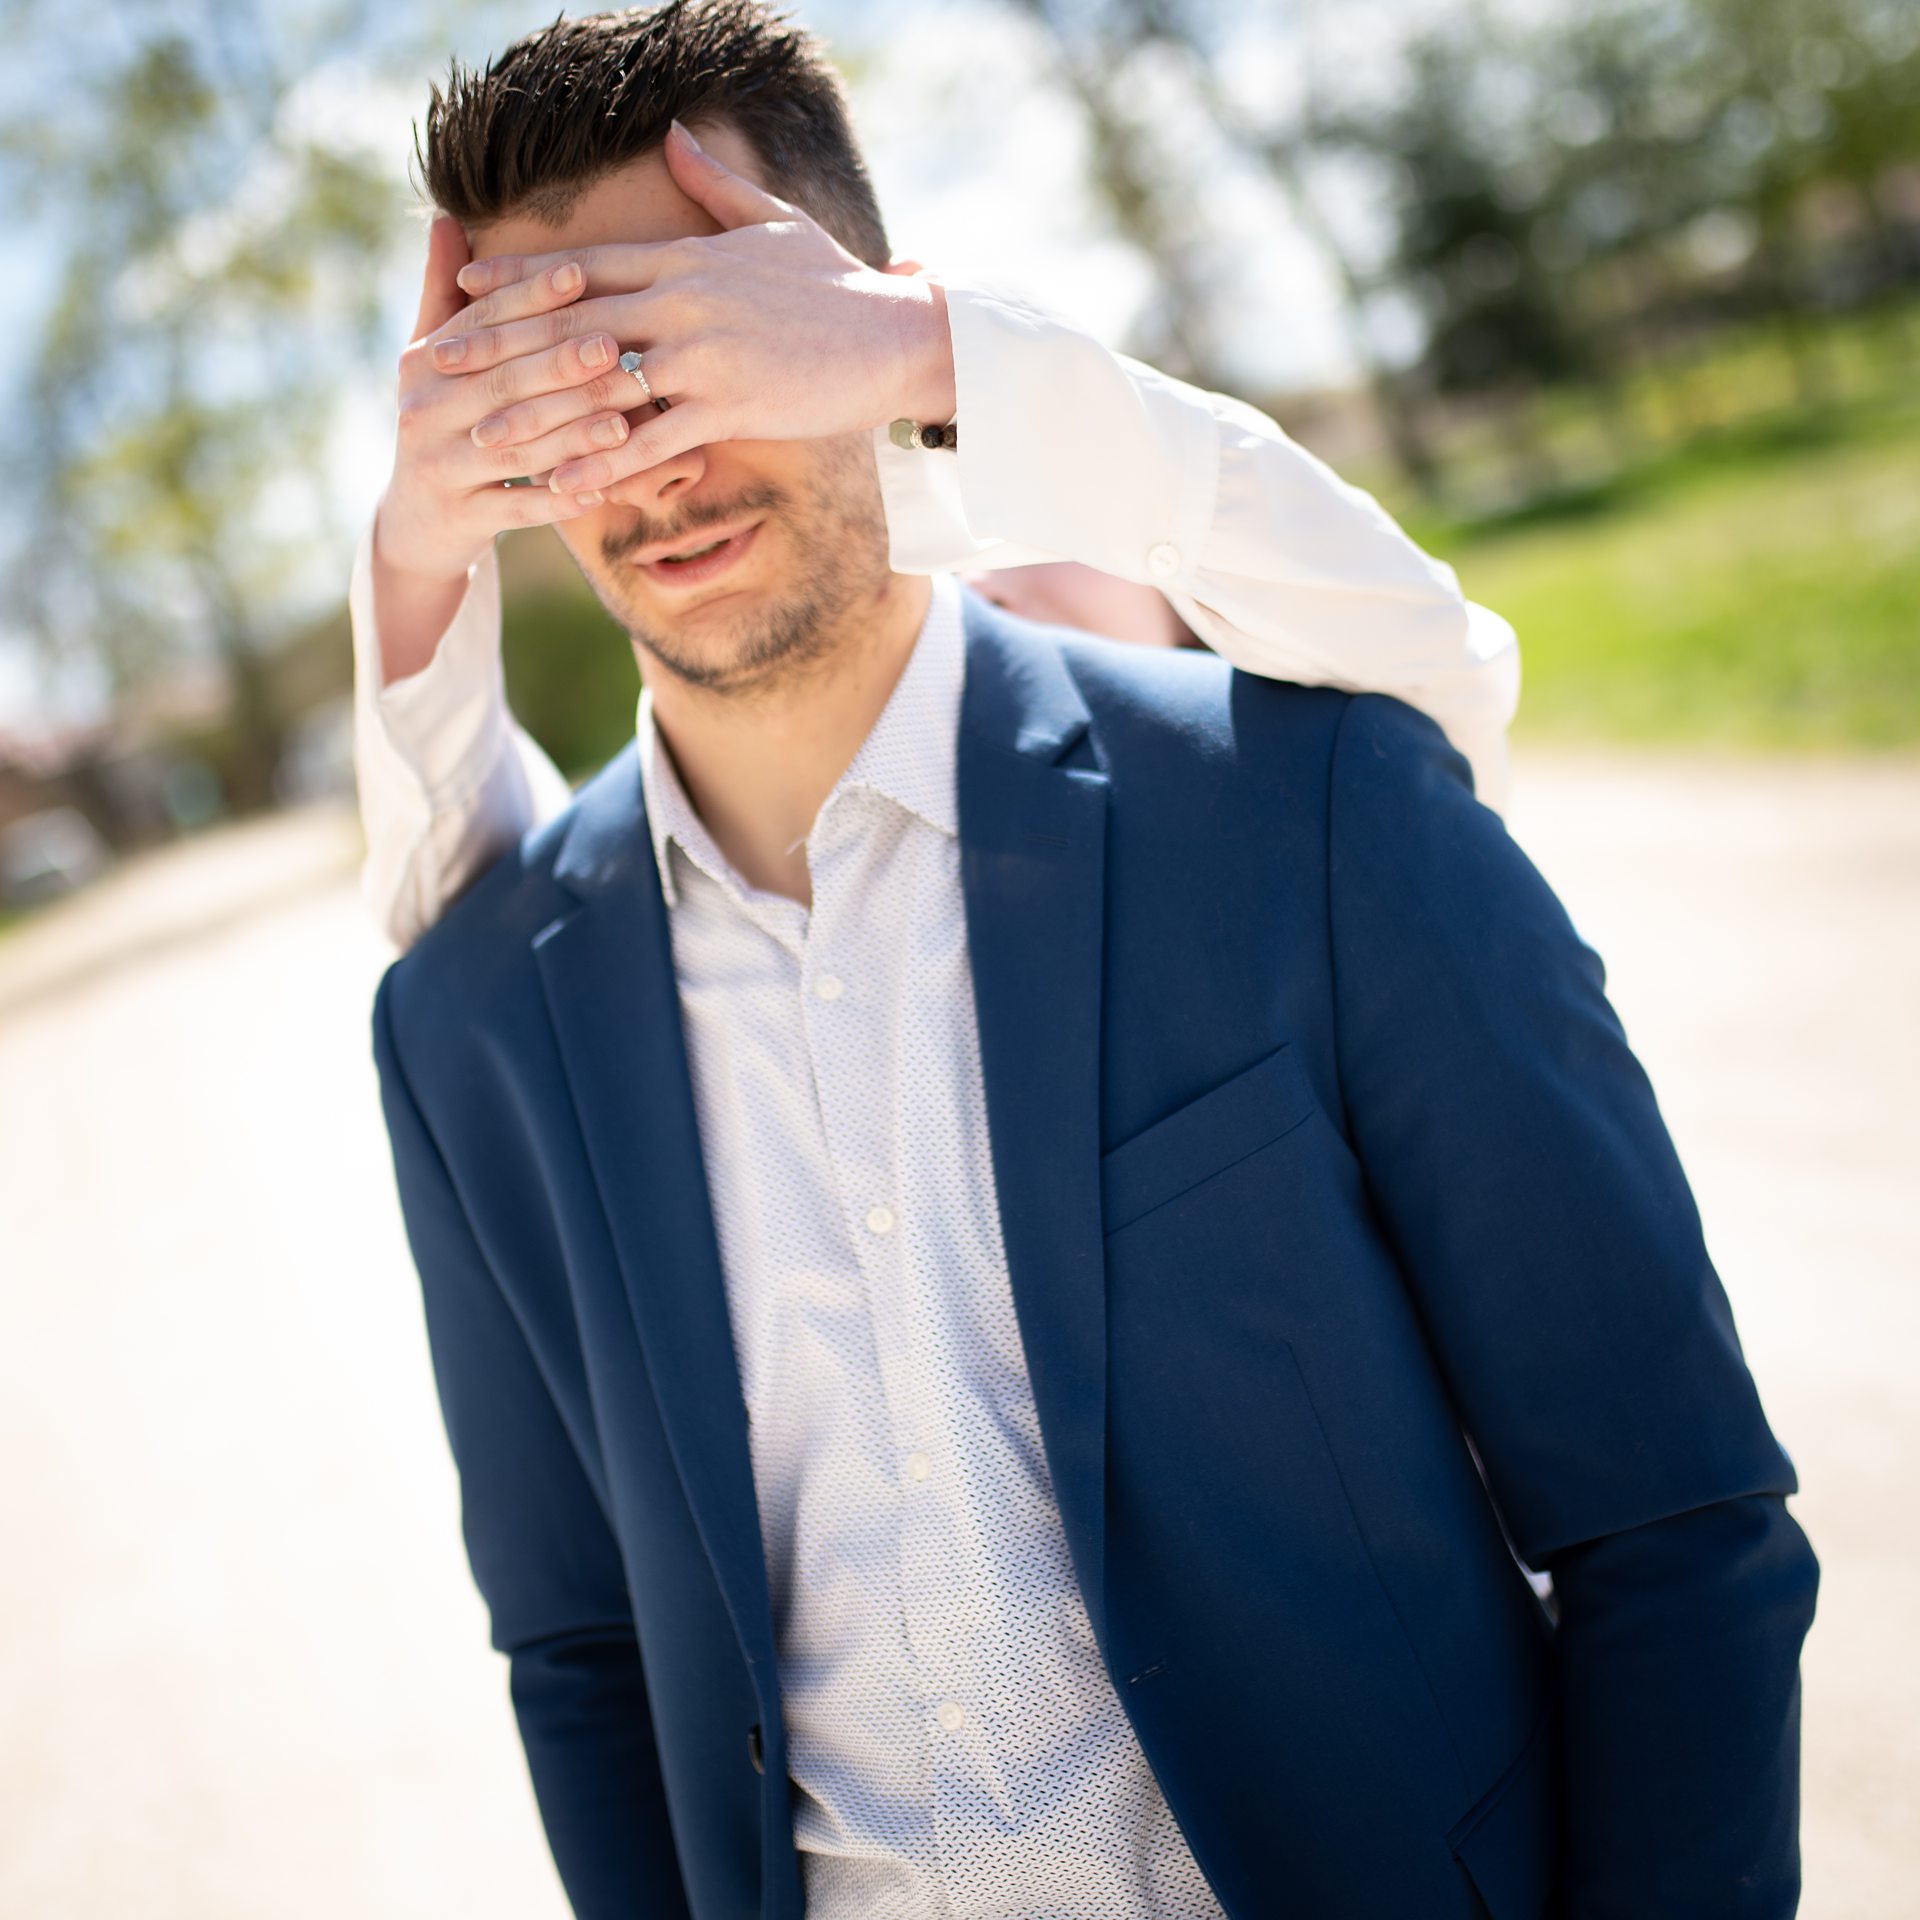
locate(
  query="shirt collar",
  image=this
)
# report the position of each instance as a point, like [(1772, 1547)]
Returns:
[(910, 755)]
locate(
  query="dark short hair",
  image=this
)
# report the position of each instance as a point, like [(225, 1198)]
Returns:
[(562, 108)]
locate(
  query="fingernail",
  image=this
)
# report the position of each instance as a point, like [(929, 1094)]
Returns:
[(489, 433), (596, 353), (566, 278), (588, 499), (449, 353), (609, 433), (680, 128)]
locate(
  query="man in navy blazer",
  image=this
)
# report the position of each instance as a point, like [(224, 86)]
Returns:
[(1353, 1267), (1317, 1165)]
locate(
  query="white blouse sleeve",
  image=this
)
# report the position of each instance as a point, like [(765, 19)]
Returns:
[(447, 780), (1069, 451)]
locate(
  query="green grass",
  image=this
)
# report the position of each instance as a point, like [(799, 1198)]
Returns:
[(1759, 588)]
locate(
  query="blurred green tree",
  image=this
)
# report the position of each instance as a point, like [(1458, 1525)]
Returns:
[(1816, 112), (1100, 54), (572, 680), (218, 273)]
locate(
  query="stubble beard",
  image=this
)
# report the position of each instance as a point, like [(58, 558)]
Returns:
[(840, 560)]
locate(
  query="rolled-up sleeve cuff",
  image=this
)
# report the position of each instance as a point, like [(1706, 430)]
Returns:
[(1132, 461), (1129, 471)]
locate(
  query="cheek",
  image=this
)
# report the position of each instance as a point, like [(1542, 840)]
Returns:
[(582, 538)]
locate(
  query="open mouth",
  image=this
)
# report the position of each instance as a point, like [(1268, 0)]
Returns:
[(702, 560)]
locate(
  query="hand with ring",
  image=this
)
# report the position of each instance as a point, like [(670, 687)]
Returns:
[(633, 363), (767, 330), (453, 483)]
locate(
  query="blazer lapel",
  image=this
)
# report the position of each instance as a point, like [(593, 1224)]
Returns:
[(1032, 839), (607, 971)]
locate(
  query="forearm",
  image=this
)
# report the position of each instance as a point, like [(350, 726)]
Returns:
[(544, 1555), (1516, 1154), (447, 781), (411, 612), (1679, 1645), (1069, 451), (581, 1704), (928, 391)]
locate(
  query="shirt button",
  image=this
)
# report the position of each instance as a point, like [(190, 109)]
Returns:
[(951, 1715), (918, 1466), (829, 987), (880, 1220), (1163, 559)]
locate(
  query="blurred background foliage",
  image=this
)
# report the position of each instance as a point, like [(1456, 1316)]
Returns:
[(1629, 291)]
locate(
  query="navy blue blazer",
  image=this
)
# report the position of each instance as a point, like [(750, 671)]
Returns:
[(1324, 1170)]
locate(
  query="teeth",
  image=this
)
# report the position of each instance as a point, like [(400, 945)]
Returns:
[(695, 553)]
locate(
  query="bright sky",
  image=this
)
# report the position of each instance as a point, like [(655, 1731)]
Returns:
[(977, 164)]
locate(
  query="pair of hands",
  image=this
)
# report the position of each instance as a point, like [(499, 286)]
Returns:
[(768, 330)]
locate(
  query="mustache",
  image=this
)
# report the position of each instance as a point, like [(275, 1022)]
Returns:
[(697, 516)]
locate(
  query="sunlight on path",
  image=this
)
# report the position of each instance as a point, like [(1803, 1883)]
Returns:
[(246, 1674)]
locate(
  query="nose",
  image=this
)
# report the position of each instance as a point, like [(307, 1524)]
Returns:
[(658, 488)]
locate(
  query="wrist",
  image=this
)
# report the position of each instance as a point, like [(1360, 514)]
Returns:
[(437, 574), (928, 392), (412, 611)]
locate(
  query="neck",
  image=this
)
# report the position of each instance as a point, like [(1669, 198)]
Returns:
[(758, 763)]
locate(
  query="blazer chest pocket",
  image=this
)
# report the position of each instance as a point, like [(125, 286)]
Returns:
[(1205, 1137)]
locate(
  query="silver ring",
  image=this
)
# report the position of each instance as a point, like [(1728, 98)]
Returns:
[(630, 363)]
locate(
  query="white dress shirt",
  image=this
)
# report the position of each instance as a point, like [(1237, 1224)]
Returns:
[(957, 1744), (1068, 451)]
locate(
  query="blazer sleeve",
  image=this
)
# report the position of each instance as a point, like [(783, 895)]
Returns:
[(542, 1551), (1516, 1156)]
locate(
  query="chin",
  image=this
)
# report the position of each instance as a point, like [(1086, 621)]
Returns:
[(737, 648)]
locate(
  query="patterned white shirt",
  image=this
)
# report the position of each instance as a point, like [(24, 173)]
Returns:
[(956, 1741)]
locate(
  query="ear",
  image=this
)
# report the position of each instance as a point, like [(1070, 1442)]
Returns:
[(732, 199)]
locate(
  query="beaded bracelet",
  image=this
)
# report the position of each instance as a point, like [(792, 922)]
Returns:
[(910, 433)]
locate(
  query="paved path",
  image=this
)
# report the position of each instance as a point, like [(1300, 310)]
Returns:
[(243, 1671)]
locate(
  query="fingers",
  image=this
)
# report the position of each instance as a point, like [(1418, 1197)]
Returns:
[(504, 508), (555, 286), (730, 197), (617, 391), (691, 423), (440, 293), (591, 360), (469, 465), (618, 267), (462, 352)]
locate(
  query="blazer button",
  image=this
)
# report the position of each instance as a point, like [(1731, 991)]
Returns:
[(756, 1751)]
